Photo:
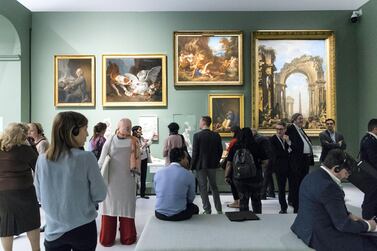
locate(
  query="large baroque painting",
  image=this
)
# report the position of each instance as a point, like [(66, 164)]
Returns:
[(226, 110), (208, 58), (134, 80), (294, 72), (74, 80)]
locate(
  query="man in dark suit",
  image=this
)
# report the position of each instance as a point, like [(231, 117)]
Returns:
[(280, 151), (206, 155), (368, 153), (300, 159), (323, 221), (330, 139)]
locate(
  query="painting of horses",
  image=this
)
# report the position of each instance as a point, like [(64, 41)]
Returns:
[(134, 80), (208, 58)]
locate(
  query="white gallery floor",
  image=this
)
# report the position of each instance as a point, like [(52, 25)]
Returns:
[(145, 209)]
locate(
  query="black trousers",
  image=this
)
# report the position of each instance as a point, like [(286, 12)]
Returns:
[(191, 209), (268, 182), (143, 176), (83, 238), (249, 190), (299, 169), (369, 206), (282, 179), (234, 190)]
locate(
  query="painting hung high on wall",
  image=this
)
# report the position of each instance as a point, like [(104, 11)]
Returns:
[(134, 80), (208, 58), (226, 111), (294, 72), (74, 83)]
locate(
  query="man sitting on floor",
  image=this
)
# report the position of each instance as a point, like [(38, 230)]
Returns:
[(175, 189), (323, 221)]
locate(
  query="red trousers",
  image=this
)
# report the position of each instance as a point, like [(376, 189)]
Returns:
[(127, 230)]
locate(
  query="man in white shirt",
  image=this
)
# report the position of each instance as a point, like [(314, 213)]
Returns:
[(301, 157), (323, 221)]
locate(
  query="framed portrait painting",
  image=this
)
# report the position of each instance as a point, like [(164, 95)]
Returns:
[(294, 72), (208, 58), (226, 110), (134, 80), (74, 80)]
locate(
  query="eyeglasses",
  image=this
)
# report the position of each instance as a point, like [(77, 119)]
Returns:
[(279, 129), (329, 123)]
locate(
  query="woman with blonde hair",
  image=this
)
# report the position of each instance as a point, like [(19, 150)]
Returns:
[(121, 198), (37, 134), (19, 209), (69, 185)]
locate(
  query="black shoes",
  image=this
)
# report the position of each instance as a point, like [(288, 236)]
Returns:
[(144, 197), (282, 211)]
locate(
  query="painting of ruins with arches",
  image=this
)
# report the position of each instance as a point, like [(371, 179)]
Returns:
[(208, 58), (294, 71)]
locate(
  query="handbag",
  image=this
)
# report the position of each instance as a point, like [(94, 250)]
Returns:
[(106, 165), (184, 148)]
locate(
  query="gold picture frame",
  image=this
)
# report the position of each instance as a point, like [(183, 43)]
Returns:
[(226, 110), (293, 71), (130, 80), (208, 58), (74, 81)]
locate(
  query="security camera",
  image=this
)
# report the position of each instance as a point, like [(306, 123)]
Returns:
[(356, 15)]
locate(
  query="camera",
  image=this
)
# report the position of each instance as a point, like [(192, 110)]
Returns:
[(356, 15)]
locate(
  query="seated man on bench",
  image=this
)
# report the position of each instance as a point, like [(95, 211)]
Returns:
[(175, 189), (323, 221)]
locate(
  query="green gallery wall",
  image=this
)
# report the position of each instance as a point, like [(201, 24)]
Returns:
[(130, 33), (106, 33), (367, 66)]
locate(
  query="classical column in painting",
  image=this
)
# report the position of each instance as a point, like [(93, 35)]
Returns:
[(290, 101)]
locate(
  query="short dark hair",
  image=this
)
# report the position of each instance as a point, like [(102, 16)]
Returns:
[(281, 123), (330, 119), (335, 157), (173, 128), (207, 120), (372, 124), (176, 154), (295, 116)]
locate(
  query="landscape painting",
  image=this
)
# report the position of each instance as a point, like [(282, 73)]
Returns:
[(208, 58), (134, 80), (294, 73)]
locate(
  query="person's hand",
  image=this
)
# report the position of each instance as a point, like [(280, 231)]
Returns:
[(340, 143), (228, 180), (372, 224), (354, 217)]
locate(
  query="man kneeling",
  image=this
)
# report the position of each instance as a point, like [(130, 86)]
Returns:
[(323, 221), (175, 189)]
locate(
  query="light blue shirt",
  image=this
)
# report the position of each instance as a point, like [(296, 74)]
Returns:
[(68, 190), (174, 187)]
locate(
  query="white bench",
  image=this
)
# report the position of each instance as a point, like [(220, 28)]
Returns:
[(216, 232)]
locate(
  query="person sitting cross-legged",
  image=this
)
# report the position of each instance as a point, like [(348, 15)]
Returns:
[(175, 189)]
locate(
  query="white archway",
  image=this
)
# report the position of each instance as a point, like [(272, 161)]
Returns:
[(10, 73)]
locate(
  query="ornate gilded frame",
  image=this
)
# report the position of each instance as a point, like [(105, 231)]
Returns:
[(208, 33), (330, 97), (240, 98), (107, 103), (92, 99)]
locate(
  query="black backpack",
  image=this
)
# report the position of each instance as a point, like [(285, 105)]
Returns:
[(243, 165)]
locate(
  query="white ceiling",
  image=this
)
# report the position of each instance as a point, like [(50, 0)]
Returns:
[(190, 5)]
